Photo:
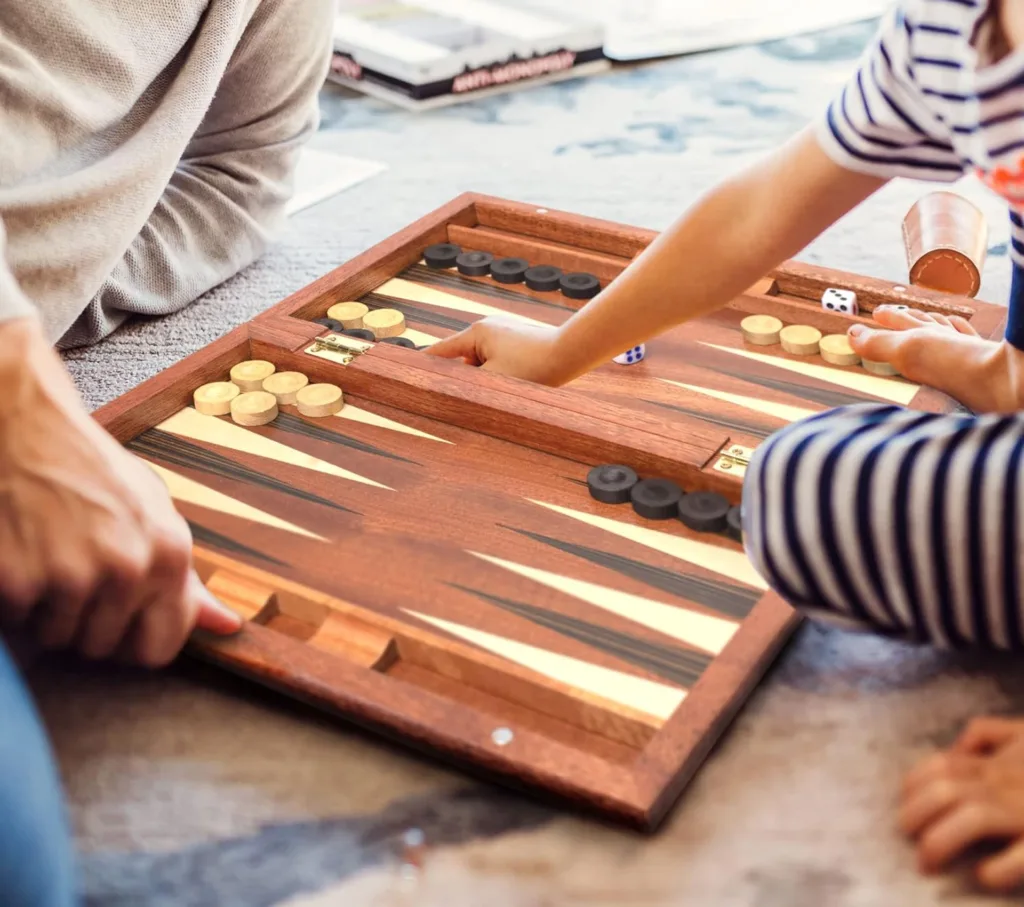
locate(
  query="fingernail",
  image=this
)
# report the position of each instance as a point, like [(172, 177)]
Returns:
[(217, 605), (856, 330)]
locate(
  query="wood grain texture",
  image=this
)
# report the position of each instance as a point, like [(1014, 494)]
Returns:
[(449, 658), (672, 759), (429, 563), (355, 641), (810, 281), (538, 251), (798, 311), (530, 415), (688, 372), (585, 233), (250, 600), (415, 716), (284, 332), (350, 280)]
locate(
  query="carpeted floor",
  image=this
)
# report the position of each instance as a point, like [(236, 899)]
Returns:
[(189, 788)]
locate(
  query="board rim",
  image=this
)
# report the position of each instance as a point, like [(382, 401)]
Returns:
[(640, 793)]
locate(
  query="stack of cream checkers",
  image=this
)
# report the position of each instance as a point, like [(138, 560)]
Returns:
[(256, 389), (804, 340)]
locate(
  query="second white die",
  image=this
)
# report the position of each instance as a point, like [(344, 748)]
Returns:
[(632, 355), (844, 301)]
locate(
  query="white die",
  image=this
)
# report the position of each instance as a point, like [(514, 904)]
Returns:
[(844, 301), (630, 356)]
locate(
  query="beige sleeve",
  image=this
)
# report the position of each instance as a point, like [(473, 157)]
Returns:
[(13, 302), (228, 193)]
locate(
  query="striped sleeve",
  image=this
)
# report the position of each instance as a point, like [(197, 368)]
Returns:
[(906, 523), (882, 122)]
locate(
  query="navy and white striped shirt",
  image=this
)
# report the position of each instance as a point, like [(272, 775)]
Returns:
[(909, 523), (931, 99)]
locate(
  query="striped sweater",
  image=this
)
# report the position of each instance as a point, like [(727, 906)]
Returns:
[(930, 101), (908, 523)]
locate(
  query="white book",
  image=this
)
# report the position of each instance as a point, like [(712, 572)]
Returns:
[(424, 52), (641, 29)]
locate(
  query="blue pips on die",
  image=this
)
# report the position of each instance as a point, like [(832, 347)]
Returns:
[(631, 356)]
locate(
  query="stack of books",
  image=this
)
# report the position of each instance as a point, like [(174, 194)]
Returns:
[(428, 53)]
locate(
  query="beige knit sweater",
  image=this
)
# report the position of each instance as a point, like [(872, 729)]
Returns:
[(146, 148)]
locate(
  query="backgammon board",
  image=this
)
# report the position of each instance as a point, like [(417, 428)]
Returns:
[(429, 563)]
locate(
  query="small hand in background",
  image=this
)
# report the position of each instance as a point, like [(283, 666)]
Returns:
[(511, 348), (973, 794), (945, 353)]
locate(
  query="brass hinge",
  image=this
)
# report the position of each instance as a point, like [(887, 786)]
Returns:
[(734, 460), (338, 348)]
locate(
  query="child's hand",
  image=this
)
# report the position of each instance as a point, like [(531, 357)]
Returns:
[(508, 347), (947, 354), (973, 794)]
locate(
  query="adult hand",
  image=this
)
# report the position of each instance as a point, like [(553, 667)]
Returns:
[(93, 555), (507, 347)]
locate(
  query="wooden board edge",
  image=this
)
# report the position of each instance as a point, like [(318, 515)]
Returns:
[(159, 397), (455, 378), (375, 265), (681, 747), (486, 408), (808, 280), (414, 643), (589, 233), (501, 243), (423, 721)]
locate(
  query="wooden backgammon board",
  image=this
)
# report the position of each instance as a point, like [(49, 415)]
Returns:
[(428, 561)]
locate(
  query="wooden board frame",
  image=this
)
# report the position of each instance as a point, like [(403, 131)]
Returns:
[(638, 793), (637, 786), (604, 248)]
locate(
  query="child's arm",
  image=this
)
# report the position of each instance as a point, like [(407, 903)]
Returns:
[(879, 126), (727, 241)]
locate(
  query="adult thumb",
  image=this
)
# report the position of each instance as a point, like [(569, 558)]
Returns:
[(212, 615)]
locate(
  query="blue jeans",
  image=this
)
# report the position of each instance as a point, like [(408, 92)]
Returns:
[(36, 852)]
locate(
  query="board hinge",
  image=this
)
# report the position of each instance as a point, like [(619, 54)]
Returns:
[(338, 348), (734, 460)]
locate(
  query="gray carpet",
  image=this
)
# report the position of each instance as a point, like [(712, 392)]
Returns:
[(187, 788)]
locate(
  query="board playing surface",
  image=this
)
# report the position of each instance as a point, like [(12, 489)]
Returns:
[(701, 370), (428, 560)]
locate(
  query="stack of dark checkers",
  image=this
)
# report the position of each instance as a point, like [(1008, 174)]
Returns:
[(542, 277), (663, 499)]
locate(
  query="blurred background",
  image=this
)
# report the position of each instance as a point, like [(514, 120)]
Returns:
[(613, 109)]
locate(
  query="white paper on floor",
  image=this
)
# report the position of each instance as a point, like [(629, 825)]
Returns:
[(321, 174), (639, 29)]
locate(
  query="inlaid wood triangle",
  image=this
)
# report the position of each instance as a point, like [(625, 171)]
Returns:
[(779, 410), (419, 337), (702, 631), (366, 417), (408, 291), (901, 392), (647, 696), (189, 423), (192, 492), (728, 563)]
